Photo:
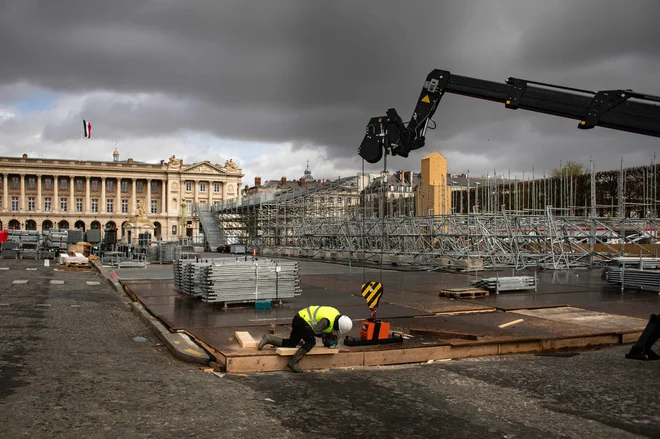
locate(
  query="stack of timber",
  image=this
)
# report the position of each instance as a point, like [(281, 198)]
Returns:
[(633, 278), (511, 283)]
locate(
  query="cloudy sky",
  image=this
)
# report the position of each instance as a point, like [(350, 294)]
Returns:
[(272, 84)]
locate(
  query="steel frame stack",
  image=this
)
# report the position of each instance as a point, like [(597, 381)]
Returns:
[(311, 224)]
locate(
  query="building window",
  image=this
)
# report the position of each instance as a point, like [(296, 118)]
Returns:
[(95, 185), (14, 183), (188, 186), (154, 206), (202, 187), (79, 204), (154, 187), (64, 184), (32, 183), (140, 186), (216, 187), (124, 185), (202, 205), (14, 203), (31, 204), (80, 184), (124, 206), (63, 204), (109, 185), (0, 202), (95, 205), (48, 183), (109, 206), (188, 207), (47, 205)]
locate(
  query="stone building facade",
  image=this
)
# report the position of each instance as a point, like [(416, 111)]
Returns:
[(38, 194)]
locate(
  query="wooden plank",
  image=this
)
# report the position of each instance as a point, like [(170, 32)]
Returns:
[(287, 352), (630, 337), (520, 347), (443, 334), (245, 339), (581, 342), (514, 322), (410, 355), (464, 351), (271, 363)]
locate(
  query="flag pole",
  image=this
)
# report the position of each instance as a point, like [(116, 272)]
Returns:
[(81, 133)]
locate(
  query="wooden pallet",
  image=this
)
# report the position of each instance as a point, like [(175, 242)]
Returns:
[(75, 267), (463, 293)]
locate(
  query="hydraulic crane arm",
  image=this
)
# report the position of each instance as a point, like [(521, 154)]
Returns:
[(622, 110)]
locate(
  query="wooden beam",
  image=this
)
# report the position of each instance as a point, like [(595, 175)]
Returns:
[(287, 352), (245, 339), (514, 322), (443, 334)]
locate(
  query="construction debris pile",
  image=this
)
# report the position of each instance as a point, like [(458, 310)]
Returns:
[(632, 272), (228, 281), (511, 283)]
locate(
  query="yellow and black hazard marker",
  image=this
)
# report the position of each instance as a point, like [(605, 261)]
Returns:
[(371, 292)]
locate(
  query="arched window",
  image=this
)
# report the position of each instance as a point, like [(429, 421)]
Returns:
[(95, 225), (157, 229), (14, 224), (30, 225), (46, 225), (80, 224), (64, 224)]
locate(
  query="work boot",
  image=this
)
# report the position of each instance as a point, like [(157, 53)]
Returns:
[(293, 362), (270, 339)]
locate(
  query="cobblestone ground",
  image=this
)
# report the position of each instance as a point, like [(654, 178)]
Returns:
[(69, 367)]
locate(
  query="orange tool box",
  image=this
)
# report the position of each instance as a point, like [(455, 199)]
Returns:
[(374, 330)]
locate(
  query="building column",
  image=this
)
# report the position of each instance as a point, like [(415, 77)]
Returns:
[(196, 191), (147, 208), (164, 197), (21, 199), (88, 195), (133, 197), (55, 203), (5, 190), (39, 202), (72, 196), (102, 209), (118, 200)]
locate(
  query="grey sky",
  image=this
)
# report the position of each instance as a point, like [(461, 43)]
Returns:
[(311, 74)]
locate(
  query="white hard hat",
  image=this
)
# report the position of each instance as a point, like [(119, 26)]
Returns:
[(344, 324)]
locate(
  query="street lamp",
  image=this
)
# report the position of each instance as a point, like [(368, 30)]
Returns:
[(476, 195)]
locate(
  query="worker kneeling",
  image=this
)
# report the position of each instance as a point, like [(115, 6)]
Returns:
[(309, 323)]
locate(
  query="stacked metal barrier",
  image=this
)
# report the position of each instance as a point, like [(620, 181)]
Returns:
[(237, 281), (634, 272), (240, 281), (511, 283)]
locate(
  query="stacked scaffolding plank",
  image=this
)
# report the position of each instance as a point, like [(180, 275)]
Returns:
[(236, 281), (511, 283), (239, 281)]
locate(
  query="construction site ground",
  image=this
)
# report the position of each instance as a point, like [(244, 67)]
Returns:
[(569, 310), (75, 361)]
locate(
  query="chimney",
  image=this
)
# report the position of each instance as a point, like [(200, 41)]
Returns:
[(257, 181), (130, 161), (24, 156), (283, 181)]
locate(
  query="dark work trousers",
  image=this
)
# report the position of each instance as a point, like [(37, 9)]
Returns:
[(300, 331)]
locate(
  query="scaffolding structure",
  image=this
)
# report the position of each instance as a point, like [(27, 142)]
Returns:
[(334, 222)]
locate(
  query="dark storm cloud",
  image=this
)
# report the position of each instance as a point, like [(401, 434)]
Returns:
[(313, 73)]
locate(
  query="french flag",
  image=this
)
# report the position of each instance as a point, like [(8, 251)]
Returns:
[(87, 129)]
